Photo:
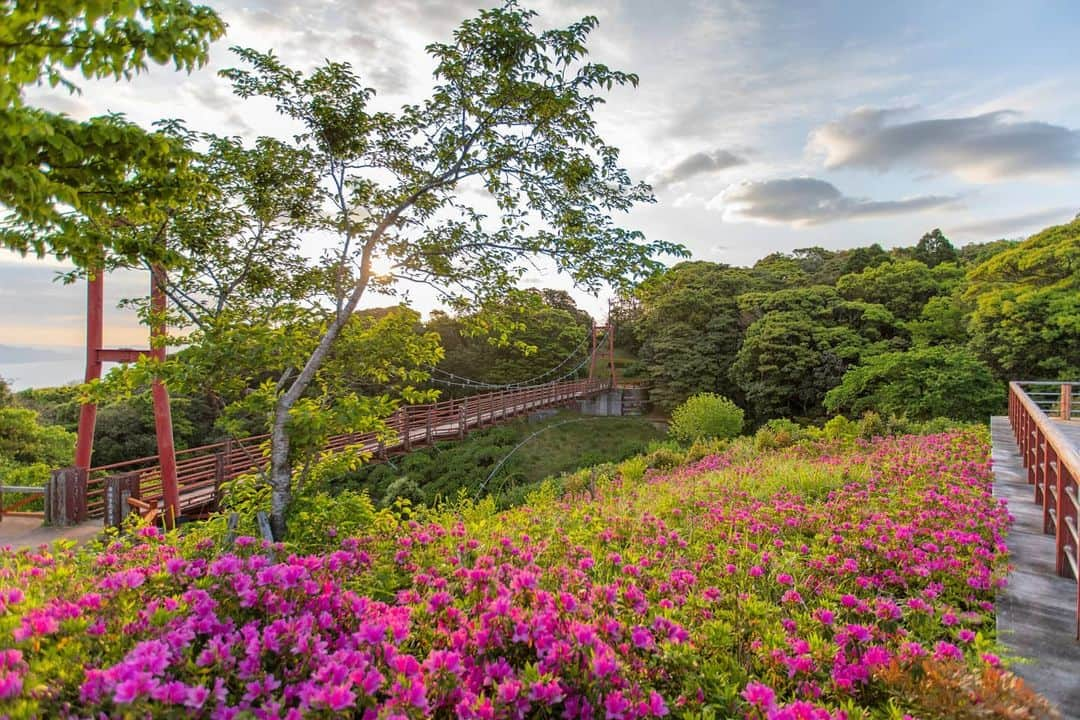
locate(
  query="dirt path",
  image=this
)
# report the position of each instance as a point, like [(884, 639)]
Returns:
[(20, 532)]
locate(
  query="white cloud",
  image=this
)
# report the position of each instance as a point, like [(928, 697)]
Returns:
[(979, 148), (698, 163), (809, 201)]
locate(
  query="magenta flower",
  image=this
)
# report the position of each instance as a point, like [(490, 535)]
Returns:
[(759, 695)]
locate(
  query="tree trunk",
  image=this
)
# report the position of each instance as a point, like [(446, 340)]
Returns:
[(280, 471), (280, 467)]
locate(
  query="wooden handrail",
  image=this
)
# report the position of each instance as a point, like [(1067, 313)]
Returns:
[(201, 470), (1053, 468)]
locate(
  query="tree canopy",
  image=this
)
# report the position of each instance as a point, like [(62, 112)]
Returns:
[(779, 336), (920, 384), (67, 184), (1026, 317)]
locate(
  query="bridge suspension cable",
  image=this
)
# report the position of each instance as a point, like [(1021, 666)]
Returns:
[(461, 381)]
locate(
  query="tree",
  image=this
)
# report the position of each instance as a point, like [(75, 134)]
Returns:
[(920, 384), (29, 449), (688, 327), (943, 321), (1026, 318), (66, 185), (978, 253), (789, 359), (778, 270), (902, 286), (244, 299), (934, 248), (511, 111), (858, 259), (551, 334)]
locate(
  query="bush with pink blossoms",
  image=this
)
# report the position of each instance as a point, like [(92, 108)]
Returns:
[(711, 590)]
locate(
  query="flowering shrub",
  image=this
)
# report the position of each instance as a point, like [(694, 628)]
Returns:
[(708, 591)]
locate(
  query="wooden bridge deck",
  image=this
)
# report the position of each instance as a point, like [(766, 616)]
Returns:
[(1037, 611)]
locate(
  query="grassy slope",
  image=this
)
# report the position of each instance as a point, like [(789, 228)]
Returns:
[(568, 441)]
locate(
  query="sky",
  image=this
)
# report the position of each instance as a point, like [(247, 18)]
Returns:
[(762, 126)]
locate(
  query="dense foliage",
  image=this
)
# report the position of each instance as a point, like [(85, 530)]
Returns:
[(546, 338), (66, 185), (817, 582), (706, 416), (779, 336), (29, 447), (921, 383), (1026, 317)]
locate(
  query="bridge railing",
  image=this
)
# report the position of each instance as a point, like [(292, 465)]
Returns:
[(16, 499), (202, 470), (1053, 465)]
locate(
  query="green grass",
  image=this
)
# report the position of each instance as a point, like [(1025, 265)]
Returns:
[(561, 444)]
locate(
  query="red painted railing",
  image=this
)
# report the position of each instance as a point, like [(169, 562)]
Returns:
[(1052, 461), (202, 470)]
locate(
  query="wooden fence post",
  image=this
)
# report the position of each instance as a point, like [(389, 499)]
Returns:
[(1066, 401), (118, 488), (230, 529), (428, 425), (220, 461), (407, 431), (66, 497)]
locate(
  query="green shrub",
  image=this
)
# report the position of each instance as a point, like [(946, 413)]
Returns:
[(780, 433), (664, 458), (634, 468), (706, 415), (840, 428), (920, 384), (703, 447), (404, 488), (319, 521)]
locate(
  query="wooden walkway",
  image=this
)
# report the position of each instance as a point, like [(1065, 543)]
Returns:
[(1036, 612)]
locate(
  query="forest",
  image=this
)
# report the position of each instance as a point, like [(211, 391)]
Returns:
[(923, 331)]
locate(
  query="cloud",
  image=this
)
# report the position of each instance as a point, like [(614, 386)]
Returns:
[(698, 163), (805, 201), (1014, 225), (19, 355), (980, 148)]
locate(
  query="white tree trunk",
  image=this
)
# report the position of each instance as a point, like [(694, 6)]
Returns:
[(280, 466)]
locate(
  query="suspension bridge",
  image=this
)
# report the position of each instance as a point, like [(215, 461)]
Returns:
[(195, 476)]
